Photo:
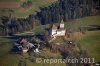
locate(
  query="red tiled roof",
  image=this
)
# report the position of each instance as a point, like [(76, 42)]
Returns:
[(54, 26)]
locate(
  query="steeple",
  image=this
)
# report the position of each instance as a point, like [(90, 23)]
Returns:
[(62, 24)]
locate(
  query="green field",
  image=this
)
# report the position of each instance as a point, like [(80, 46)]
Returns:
[(73, 24), (20, 12), (83, 22), (90, 41), (7, 59)]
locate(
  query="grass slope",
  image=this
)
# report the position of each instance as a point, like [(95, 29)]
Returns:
[(7, 59), (84, 22), (19, 12), (73, 24), (91, 42)]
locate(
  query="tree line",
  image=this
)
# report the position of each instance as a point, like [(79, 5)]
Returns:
[(68, 9), (11, 25)]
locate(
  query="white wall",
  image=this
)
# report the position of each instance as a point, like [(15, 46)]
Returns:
[(61, 25), (54, 31), (61, 33)]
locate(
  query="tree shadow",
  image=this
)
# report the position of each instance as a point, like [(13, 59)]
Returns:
[(93, 27)]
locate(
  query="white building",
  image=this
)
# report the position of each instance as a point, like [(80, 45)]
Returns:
[(55, 31), (62, 24)]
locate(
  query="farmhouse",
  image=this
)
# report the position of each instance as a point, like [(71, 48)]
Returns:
[(24, 46), (58, 30)]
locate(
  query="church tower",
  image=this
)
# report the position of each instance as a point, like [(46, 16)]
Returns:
[(62, 24)]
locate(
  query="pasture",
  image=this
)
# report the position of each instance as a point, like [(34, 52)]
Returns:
[(89, 41), (20, 12)]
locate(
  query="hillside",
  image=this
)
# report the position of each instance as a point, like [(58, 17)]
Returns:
[(89, 41), (31, 20), (72, 24), (14, 59), (83, 22), (21, 12), (23, 15)]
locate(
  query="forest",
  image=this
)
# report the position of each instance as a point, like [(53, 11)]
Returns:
[(62, 9), (68, 10)]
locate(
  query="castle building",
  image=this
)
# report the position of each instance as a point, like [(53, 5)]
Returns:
[(55, 31)]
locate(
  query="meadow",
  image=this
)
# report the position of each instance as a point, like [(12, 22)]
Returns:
[(21, 12), (89, 41)]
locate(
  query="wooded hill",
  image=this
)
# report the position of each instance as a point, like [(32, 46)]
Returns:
[(68, 9), (62, 9)]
